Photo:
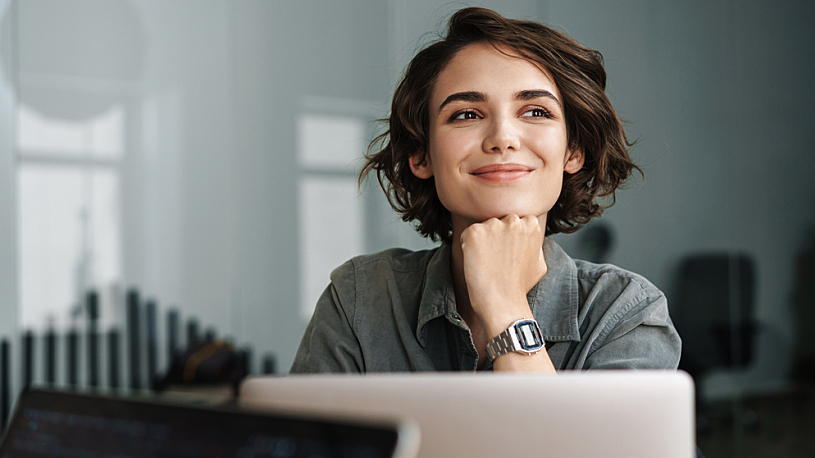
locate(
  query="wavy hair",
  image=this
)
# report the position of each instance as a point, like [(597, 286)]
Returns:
[(591, 122)]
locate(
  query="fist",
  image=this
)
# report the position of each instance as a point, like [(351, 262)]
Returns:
[(503, 260)]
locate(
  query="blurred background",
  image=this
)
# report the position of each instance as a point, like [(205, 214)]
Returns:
[(205, 153)]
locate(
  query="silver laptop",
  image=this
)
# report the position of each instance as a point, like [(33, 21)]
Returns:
[(625, 414)]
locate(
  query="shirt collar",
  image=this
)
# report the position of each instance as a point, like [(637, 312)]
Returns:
[(554, 300)]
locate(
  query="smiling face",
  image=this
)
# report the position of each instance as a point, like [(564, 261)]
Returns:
[(497, 138)]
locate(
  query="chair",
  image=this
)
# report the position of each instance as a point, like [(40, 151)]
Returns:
[(713, 311)]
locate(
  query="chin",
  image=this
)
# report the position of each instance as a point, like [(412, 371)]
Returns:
[(506, 211), (514, 205)]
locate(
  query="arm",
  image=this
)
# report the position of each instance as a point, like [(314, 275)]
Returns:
[(502, 261), (329, 343), (642, 338)]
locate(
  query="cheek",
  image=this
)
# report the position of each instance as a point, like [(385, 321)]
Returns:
[(551, 146), (444, 196), (554, 192), (445, 189), (446, 154), (456, 141), (444, 181)]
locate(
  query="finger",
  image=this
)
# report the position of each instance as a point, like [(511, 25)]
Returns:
[(511, 218)]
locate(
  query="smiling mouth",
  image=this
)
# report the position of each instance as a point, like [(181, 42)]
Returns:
[(501, 173)]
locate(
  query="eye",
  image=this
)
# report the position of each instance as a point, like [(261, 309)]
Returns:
[(536, 112), (464, 115)]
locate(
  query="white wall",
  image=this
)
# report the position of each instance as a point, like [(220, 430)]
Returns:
[(8, 228), (212, 92), (286, 52)]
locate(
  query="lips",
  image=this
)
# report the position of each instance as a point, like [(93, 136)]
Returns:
[(501, 173)]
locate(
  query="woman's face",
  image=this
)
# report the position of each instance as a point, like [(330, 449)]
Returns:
[(497, 138)]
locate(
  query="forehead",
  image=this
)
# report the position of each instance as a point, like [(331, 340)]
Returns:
[(492, 70)]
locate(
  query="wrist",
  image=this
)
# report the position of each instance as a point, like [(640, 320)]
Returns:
[(523, 337), (497, 315)]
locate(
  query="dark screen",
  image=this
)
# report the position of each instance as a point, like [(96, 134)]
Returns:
[(60, 424)]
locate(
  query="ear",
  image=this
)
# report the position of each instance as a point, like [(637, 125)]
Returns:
[(574, 160), (420, 165)]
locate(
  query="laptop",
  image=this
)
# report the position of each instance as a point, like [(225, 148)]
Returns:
[(64, 424), (625, 414)]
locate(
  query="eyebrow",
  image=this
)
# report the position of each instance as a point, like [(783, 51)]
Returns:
[(536, 94), (474, 96), (471, 96)]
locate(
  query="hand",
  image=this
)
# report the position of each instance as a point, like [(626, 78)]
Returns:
[(503, 260)]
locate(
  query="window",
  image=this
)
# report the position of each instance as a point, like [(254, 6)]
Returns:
[(331, 215), (68, 192)]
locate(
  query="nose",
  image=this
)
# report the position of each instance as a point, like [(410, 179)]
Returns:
[(501, 137)]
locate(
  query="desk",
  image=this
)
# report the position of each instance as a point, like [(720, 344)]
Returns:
[(783, 426)]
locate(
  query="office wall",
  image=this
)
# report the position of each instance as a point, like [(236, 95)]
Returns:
[(719, 96), (8, 249), (212, 93), (285, 53), (290, 54)]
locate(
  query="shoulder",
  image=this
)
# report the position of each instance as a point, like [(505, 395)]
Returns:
[(623, 294), (369, 275), (613, 278), (394, 259)]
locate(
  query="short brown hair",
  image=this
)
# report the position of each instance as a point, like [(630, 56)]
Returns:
[(591, 122)]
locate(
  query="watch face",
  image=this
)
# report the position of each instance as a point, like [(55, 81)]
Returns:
[(529, 335)]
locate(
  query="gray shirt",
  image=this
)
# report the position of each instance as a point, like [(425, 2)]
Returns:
[(396, 311)]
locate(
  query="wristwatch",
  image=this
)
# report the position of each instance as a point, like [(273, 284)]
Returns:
[(522, 336)]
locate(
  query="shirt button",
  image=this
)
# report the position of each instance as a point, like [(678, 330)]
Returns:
[(455, 317)]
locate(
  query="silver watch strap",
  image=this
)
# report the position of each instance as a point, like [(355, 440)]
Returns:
[(510, 341), (502, 344)]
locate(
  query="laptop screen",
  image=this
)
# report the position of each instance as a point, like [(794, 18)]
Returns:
[(62, 424)]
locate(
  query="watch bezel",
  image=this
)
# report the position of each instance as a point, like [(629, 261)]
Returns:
[(535, 332)]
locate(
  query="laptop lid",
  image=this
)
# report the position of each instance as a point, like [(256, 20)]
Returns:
[(59, 424), (574, 414)]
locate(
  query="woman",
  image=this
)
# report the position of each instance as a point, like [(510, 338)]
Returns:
[(500, 134)]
